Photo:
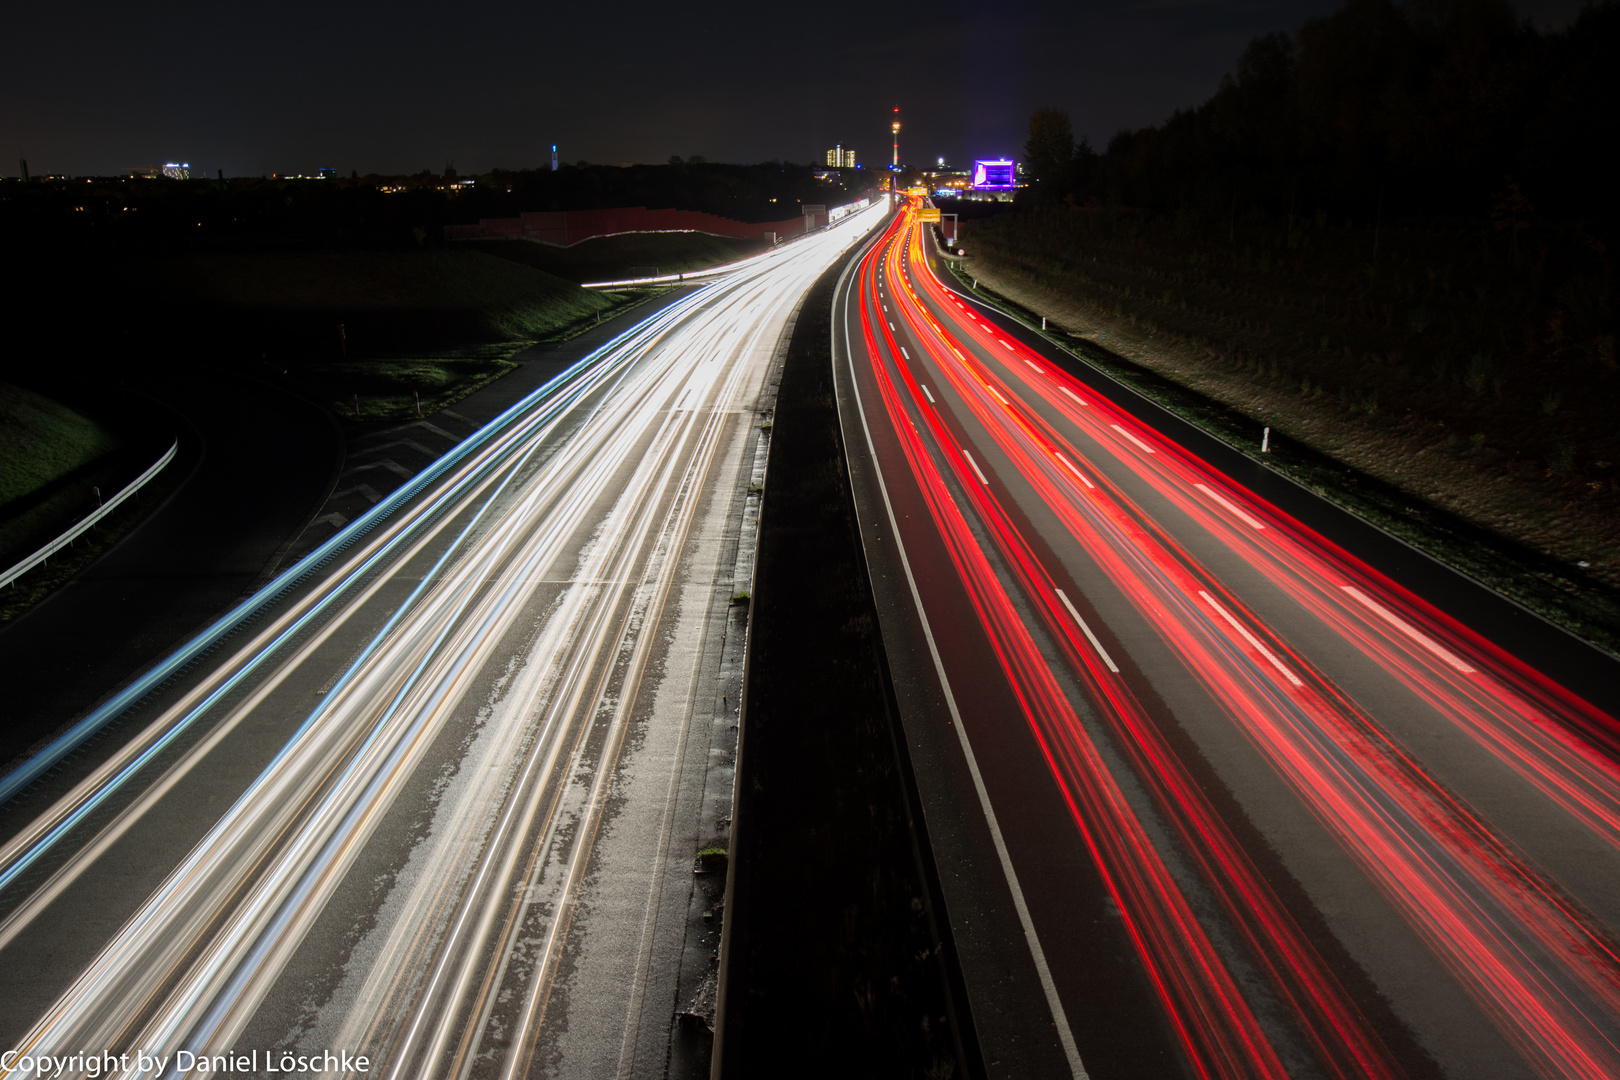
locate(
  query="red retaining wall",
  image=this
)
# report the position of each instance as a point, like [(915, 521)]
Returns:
[(565, 227)]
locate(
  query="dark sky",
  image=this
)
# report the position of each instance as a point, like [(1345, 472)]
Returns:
[(97, 87)]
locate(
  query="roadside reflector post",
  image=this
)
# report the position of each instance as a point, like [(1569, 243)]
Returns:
[(1043, 322), (417, 394), (1265, 441), (97, 492), (343, 342)]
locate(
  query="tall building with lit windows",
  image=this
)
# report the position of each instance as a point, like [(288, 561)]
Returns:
[(839, 158)]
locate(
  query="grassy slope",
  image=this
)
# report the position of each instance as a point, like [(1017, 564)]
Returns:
[(41, 440), (50, 457), (470, 293), (611, 258), (420, 326), (1519, 531)]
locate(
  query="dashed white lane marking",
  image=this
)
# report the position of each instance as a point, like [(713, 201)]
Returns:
[(926, 394), (1077, 398), (999, 398), (1411, 631), (1095, 644), (1251, 639), (1072, 468), (1032, 364), (1145, 447), (1218, 497), (892, 330), (1007, 345), (976, 471), (904, 353)]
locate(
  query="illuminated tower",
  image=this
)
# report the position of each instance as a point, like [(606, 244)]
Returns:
[(896, 126), (553, 157)]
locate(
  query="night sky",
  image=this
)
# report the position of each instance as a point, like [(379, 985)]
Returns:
[(405, 86)]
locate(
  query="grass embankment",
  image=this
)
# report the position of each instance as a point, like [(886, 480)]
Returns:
[(1424, 387), (426, 327), (614, 258), (51, 457), (833, 966)]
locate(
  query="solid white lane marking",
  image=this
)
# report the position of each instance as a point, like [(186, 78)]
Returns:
[(976, 471), (1251, 639), (926, 394), (1133, 438), (1083, 477), (1411, 631), (1077, 398), (1228, 504), (1032, 364), (1060, 1018), (1095, 644)]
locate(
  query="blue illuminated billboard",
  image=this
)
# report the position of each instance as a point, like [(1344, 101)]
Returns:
[(995, 175)]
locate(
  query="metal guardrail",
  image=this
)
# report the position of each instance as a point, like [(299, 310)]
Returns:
[(83, 526)]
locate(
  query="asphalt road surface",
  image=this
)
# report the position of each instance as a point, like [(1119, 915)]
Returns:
[(1210, 795), (258, 461), (436, 803)]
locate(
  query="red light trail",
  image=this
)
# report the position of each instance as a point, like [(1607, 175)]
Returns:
[(1545, 971)]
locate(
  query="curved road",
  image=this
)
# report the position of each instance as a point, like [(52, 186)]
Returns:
[(258, 463), (1210, 795)]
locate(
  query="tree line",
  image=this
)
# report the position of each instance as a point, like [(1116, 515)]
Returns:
[(1436, 108)]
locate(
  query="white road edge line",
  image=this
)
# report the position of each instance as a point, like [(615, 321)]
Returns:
[(1059, 1018), (1251, 639), (1411, 631), (1133, 438), (1074, 469), (1095, 644), (1218, 497)]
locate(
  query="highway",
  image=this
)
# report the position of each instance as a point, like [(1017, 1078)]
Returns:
[(1209, 795), (437, 805)]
